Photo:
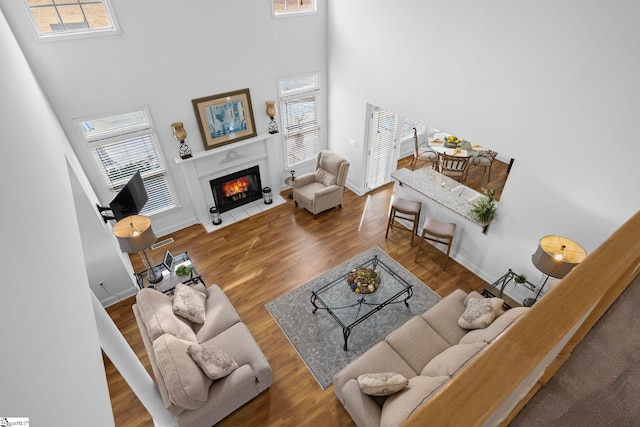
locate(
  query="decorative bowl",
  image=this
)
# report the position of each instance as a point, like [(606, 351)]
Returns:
[(364, 280)]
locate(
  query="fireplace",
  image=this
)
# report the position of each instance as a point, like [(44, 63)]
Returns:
[(237, 189)]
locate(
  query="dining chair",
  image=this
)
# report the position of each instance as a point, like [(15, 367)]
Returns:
[(454, 166), (484, 159), (422, 153)]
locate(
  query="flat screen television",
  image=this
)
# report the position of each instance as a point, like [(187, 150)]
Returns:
[(130, 199)]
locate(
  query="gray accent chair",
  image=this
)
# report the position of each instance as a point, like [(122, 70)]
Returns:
[(323, 189)]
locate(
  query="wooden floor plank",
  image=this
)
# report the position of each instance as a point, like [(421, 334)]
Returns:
[(258, 259)]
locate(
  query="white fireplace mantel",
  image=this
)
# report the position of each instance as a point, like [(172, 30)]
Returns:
[(204, 166)]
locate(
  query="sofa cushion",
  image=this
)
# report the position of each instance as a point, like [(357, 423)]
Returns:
[(189, 303), (417, 342), (219, 315), (479, 313), (213, 361), (450, 361), (489, 333), (156, 310), (379, 358), (443, 317), (382, 383), (187, 385), (398, 407)]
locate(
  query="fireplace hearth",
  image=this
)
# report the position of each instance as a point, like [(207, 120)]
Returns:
[(237, 189)]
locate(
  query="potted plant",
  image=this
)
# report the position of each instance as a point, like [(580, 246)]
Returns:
[(520, 278), (484, 209)]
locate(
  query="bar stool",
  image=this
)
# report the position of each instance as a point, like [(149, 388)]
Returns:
[(401, 207), (438, 232)]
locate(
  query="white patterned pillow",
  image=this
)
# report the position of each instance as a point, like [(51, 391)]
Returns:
[(214, 362), (189, 303), (480, 312), (382, 384)]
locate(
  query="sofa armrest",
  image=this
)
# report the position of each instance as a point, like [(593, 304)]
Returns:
[(305, 179), (364, 410)]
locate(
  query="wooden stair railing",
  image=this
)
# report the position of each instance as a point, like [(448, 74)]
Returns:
[(497, 383)]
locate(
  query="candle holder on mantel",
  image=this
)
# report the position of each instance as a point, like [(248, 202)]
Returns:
[(271, 112), (181, 134)]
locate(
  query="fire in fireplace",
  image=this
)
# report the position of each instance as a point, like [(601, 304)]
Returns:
[(237, 189)]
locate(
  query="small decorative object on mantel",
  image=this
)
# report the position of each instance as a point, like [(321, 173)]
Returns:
[(484, 209), (364, 280), (271, 112), (520, 278), (181, 135)]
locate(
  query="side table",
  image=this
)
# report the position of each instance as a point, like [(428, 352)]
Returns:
[(497, 289), (289, 181), (169, 278)]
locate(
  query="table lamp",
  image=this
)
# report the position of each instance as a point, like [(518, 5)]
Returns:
[(134, 234), (555, 257)]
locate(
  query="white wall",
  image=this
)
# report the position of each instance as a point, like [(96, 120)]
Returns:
[(168, 54), (52, 369), (551, 84)]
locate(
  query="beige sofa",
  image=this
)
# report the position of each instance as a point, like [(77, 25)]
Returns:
[(428, 350), (192, 397), (324, 188)]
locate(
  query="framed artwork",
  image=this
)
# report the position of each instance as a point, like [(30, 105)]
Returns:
[(167, 260), (225, 118)]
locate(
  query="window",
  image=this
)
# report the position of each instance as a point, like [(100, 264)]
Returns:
[(123, 144), (292, 7), (299, 105), (71, 17)]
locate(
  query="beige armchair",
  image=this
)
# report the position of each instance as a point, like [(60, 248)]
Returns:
[(324, 188)]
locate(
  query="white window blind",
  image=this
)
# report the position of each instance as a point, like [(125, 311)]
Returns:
[(382, 148), (299, 105), (120, 154)]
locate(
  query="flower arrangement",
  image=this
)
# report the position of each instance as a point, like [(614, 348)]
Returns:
[(364, 280)]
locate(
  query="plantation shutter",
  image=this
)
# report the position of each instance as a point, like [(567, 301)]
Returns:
[(301, 127), (381, 153), (118, 162)]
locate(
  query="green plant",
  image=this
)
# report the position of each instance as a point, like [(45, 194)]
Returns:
[(484, 209), (520, 278), (183, 270)]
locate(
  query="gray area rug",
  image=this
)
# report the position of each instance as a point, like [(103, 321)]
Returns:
[(599, 385), (318, 337)]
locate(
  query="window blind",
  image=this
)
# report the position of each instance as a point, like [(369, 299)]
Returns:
[(119, 160), (301, 127), (382, 148)]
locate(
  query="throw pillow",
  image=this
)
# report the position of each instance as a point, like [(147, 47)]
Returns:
[(480, 313), (189, 303), (214, 362), (382, 384)]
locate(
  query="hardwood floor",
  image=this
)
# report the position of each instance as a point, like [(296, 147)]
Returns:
[(258, 259)]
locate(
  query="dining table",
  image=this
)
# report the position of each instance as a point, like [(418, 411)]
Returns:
[(437, 145)]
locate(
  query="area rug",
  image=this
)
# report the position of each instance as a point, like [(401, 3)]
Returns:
[(318, 337)]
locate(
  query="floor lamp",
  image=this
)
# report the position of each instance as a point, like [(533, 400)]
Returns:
[(134, 234), (555, 257)]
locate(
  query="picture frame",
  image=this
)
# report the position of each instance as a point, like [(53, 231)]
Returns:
[(167, 261), (225, 118)]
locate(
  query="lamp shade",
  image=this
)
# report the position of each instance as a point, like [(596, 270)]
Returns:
[(134, 233), (178, 131), (556, 256)]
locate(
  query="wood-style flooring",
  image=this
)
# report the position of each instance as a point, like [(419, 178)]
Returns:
[(260, 258)]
